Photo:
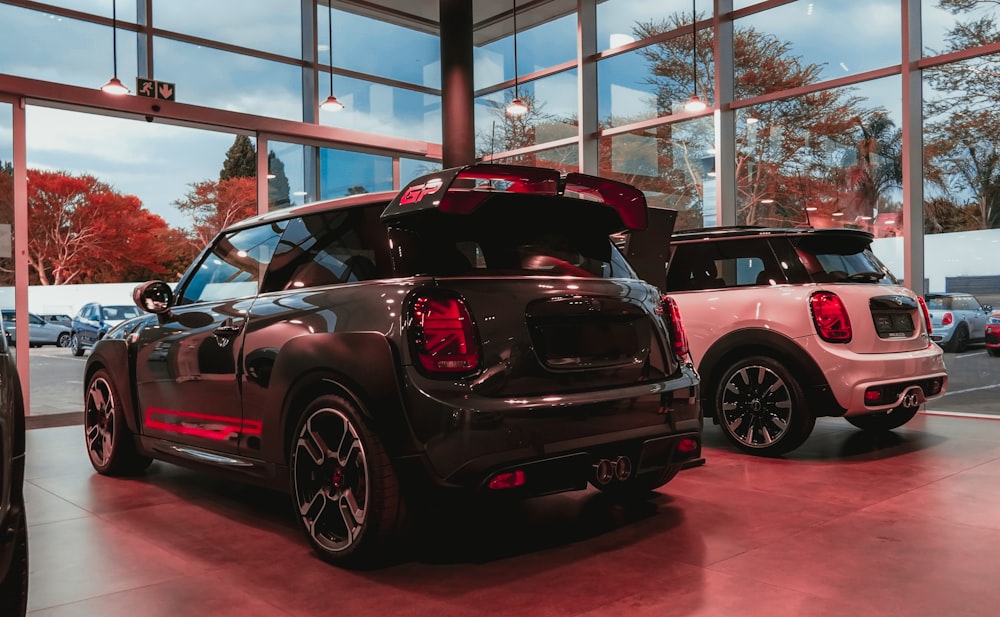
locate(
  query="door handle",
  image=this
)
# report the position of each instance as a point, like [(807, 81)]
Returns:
[(227, 330)]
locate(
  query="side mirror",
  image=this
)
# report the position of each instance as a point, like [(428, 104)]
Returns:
[(153, 296)]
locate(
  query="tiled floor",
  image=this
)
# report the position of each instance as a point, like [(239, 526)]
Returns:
[(905, 524)]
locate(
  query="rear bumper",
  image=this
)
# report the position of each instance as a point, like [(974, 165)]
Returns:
[(899, 375), (556, 442)]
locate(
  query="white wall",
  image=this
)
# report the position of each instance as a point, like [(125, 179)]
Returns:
[(962, 253)]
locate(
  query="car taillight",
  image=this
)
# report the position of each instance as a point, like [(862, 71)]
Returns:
[(927, 314), (947, 318), (678, 337), (443, 335), (830, 317)]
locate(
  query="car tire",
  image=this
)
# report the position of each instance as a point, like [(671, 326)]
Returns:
[(75, 346), (637, 488), (761, 408), (110, 443), (14, 587), (993, 351), (884, 420), (64, 340), (345, 492), (959, 341)]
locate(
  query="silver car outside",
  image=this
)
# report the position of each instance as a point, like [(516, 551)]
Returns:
[(957, 319)]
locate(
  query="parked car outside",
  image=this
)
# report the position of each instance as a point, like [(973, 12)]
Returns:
[(14, 539), (992, 335), (40, 332), (957, 319), (787, 325), (476, 335), (93, 321), (58, 318)]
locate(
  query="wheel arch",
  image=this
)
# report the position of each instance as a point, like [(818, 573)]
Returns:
[(759, 341), (114, 353), (312, 366)]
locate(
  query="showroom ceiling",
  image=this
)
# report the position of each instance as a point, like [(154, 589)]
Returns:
[(491, 18)]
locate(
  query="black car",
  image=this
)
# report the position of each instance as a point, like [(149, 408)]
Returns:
[(476, 335), (13, 525), (93, 321)]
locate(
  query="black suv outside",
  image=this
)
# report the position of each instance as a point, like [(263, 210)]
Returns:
[(93, 321), (475, 335)]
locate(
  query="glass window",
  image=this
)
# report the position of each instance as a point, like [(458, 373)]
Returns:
[(379, 48), (346, 246), (551, 115), (961, 134), (620, 22), (828, 159), (808, 42), (673, 164), (272, 26), (285, 169), (955, 26), (233, 266), (656, 80), (224, 80), (345, 173), (382, 110), (42, 46), (413, 168), (563, 158), (538, 47)]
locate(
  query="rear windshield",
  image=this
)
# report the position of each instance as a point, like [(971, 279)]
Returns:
[(837, 259), (515, 235)]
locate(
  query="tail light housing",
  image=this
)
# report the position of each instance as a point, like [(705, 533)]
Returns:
[(947, 319), (927, 314), (830, 317), (678, 337), (443, 335)]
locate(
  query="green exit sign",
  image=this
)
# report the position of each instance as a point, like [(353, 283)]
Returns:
[(150, 88)]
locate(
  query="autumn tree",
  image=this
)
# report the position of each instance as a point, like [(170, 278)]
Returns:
[(278, 189), (214, 205), (80, 230)]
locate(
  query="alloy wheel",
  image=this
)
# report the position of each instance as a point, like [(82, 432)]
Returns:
[(756, 406), (331, 480), (99, 421)]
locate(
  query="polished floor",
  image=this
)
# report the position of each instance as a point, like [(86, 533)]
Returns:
[(904, 524)]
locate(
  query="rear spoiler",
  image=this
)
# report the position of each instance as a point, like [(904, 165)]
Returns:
[(460, 190)]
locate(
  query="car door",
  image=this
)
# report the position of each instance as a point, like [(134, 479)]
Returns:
[(39, 333), (88, 324), (187, 378)]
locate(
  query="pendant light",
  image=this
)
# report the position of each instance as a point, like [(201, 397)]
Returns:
[(331, 103), (694, 104), (114, 85), (517, 107)]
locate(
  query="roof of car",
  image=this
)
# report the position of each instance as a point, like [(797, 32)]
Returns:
[(742, 231)]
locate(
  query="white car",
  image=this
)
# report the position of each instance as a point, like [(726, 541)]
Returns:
[(786, 325)]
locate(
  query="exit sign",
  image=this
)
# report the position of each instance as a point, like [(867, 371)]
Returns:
[(149, 88)]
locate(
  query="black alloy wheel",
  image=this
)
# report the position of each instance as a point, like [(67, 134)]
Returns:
[(109, 441), (346, 494), (761, 408)]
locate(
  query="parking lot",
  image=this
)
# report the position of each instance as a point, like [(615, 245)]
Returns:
[(974, 383)]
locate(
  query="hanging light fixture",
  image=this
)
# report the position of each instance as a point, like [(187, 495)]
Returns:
[(694, 104), (517, 107), (114, 85), (331, 103)]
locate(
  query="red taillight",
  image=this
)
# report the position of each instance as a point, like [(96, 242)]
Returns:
[(444, 335), (507, 479), (678, 337), (830, 316), (947, 318), (927, 315)]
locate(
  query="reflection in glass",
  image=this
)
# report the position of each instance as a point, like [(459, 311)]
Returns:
[(58, 49), (266, 26), (344, 173), (384, 110), (563, 158), (412, 168), (224, 80), (551, 115), (656, 80), (828, 159), (673, 164), (539, 47), (809, 42), (6, 200), (957, 25)]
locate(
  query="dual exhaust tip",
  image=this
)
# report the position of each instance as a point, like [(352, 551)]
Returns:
[(608, 470)]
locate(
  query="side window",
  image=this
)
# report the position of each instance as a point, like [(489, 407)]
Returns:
[(234, 265), (722, 264), (330, 248)]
